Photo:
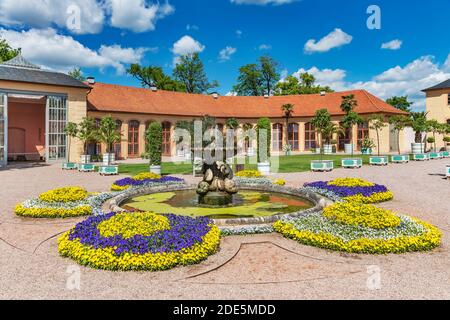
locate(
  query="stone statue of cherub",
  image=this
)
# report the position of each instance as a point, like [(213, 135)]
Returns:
[(217, 176)]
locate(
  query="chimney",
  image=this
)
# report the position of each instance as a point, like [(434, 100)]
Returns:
[(322, 93), (215, 95), (153, 87), (266, 96), (90, 80)]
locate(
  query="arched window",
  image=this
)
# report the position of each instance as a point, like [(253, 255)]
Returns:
[(363, 133), (166, 144), (117, 147), (133, 139), (310, 136), (293, 136), (277, 137)]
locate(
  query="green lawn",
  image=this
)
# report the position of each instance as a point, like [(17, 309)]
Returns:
[(297, 163)]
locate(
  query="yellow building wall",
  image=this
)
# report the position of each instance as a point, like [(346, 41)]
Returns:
[(438, 108), (76, 103)]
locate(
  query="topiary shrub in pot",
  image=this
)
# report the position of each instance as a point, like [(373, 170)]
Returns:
[(264, 134), (154, 138)]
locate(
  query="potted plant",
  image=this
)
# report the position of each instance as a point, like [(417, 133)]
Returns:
[(367, 145), (108, 134), (328, 133), (350, 119), (288, 111), (71, 130), (86, 133), (446, 140), (376, 122), (322, 123), (419, 124), (264, 133), (399, 123), (154, 138)]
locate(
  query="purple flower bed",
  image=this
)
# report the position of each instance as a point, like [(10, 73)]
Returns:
[(348, 191), (184, 232), (131, 182)]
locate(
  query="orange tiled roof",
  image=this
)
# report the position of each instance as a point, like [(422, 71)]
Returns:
[(117, 98)]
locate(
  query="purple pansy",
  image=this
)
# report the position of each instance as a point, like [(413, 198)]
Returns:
[(132, 182), (184, 232), (348, 191)]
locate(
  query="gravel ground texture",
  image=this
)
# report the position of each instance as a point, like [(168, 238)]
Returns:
[(247, 267)]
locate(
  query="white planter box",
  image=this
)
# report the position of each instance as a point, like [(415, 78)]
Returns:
[(264, 168), (400, 158), (108, 170), (447, 172), (322, 165), (108, 156), (348, 147), (155, 169), (352, 163), (378, 161), (328, 149), (251, 152), (417, 148), (85, 158), (421, 156)]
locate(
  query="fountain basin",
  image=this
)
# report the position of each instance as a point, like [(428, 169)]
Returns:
[(254, 204)]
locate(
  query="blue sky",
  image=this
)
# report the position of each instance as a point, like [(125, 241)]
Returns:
[(329, 38)]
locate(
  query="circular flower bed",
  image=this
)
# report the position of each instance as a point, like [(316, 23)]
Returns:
[(319, 231), (143, 179), (140, 241), (62, 203), (351, 190), (65, 194), (365, 215)]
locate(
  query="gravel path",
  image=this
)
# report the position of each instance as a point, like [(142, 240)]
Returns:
[(247, 267)]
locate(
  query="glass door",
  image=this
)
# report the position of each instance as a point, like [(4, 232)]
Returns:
[(56, 139), (3, 129)]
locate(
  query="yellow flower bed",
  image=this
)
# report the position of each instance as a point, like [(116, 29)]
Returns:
[(52, 212), (366, 215), (66, 194), (106, 258), (249, 174), (374, 198), (280, 182), (130, 224), (115, 187), (146, 175), (427, 241), (350, 182)]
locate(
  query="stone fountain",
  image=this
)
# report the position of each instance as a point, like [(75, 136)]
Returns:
[(217, 187)]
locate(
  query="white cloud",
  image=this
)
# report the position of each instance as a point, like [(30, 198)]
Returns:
[(408, 80), (392, 45), (265, 47), (333, 78), (226, 53), (137, 15), (263, 2), (50, 13), (62, 53), (184, 46), (334, 39), (187, 45)]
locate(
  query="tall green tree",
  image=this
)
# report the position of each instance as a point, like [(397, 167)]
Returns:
[(190, 71), (154, 138), (399, 123), (155, 76), (87, 132), (76, 73), (71, 130), (377, 123), (419, 123), (288, 111), (269, 72), (400, 102), (435, 127), (321, 121), (250, 81), (108, 134), (6, 51), (351, 118), (305, 84)]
